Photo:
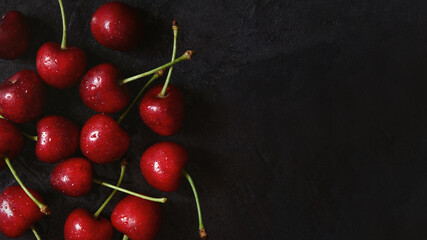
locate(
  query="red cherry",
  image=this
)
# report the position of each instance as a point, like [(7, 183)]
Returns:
[(11, 141), (137, 218), (17, 211), (164, 115), (72, 177), (14, 35), (22, 97), (81, 225), (102, 140), (117, 26), (57, 139), (162, 165), (100, 89), (60, 68)]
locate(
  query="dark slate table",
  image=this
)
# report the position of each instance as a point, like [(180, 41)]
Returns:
[(306, 119)]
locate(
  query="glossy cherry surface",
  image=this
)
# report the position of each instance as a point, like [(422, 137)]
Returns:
[(57, 138), (81, 225), (137, 218), (164, 115), (72, 177), (17, 211), (22, 97), (117, 26), (60, 68), (102, 140), (162, 165), (11, 141), (14, 35), (100, 89)]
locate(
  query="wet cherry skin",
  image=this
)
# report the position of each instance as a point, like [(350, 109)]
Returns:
[(100, 89), (14, 35), (162, 165), (57, 138), (72, 177), (137, 218), (22, 97), (11, 141), (164, 115), (17, 211), (81, 225), (117, 26), (102, 140)]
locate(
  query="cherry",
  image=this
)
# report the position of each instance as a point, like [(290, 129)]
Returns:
[(104, 91), (81, 225), (162, 165), (102, 140), (11, 141), (117, 26), (22, 97), (163, 114), (17, 211), (162, 108), (57, 139), (58, 65), (14, 35), (137, 218), (72, 177)]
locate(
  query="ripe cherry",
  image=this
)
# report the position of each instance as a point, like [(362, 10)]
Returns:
[(117, 26), (17, 211), (57, 139), (72, 177), (22, 97), (14, 35), (58, 65), (102, 140), (162, 165), (164, 114), (137, 218), (81, 225), (104, 91), (11, 141)]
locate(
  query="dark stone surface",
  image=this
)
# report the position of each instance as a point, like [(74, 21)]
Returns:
[(306, 119)]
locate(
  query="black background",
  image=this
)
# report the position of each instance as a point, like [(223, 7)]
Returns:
[(306, 119)]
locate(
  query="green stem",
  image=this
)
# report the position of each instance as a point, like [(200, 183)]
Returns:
[(122, 173), (154, 77), (202, 231), (175, 34), (36, 234), (186, 56), (160, 200), (125, 237), (2, 117), (31, 137), (64, 27), (43, 208)]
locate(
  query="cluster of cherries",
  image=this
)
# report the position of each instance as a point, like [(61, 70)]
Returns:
[(101, 140)]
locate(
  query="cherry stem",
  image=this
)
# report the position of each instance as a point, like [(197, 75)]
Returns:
[(36, 234), (43, 208), (125, 237), (31, 137), (122, 173), (2, 117), (186, 56), (175, 34), (202, 231), (160, 200), (64, 27), (154, 77)]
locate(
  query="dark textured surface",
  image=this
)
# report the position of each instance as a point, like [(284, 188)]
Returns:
[(306, 119)]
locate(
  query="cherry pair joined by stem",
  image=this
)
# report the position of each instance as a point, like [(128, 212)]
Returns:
[(14, 35), (59, 65), (162, 165)]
